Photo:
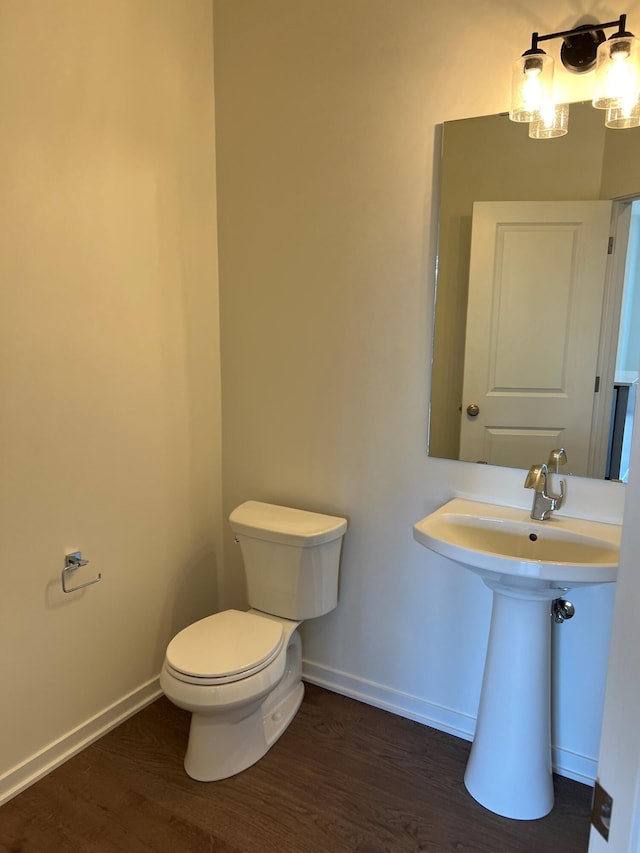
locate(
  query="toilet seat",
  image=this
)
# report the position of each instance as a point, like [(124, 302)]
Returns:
[(223, 648)]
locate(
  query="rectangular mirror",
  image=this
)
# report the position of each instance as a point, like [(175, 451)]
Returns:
[(537, 316)]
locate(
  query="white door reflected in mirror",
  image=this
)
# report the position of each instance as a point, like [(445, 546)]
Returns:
[(536, 283)]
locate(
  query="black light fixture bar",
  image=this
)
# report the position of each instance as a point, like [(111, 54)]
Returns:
[(587, 28)]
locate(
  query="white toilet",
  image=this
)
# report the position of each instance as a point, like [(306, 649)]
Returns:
[(240, 673)]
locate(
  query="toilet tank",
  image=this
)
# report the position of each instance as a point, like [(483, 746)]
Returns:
[(291, 558)]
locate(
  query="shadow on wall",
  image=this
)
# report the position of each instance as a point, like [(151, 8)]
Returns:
[(197, 581)]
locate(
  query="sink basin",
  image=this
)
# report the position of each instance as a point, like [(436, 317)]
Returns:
[(506, 542), (527, 564)]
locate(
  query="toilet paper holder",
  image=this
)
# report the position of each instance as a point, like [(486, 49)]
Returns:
[(71, 563)]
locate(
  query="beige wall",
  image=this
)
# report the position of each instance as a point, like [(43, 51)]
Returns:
[(621, 171), (109, 365), (326, 115)]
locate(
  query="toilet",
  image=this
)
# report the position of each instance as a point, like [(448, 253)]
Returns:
[(240, 673)]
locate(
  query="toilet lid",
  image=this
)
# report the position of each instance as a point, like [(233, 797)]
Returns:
[(226, 646)]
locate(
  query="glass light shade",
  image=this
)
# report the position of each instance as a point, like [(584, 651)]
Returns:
[(617, 72), (624, 115), (554, 122), (531, 86)]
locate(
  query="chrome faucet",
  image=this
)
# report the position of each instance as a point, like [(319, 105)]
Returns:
[(544, 503)]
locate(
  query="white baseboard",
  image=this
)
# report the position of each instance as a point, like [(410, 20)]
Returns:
[(56, 753), (570, 764), (580, 768), (380, 696)]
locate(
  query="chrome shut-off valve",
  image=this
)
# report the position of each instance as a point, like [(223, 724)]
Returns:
[(561, 610)]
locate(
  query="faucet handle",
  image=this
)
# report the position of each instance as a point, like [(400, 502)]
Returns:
[(557, 458), (536, 477), (558, 499)]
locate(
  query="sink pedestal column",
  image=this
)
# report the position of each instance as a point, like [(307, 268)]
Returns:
[(509, 768)]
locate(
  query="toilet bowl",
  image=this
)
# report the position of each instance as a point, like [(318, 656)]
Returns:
[(240, 673), (241, 708)]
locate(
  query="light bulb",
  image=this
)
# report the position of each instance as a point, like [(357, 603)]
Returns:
[(621, 76), (532, 81), (617, 72), (532, 90)]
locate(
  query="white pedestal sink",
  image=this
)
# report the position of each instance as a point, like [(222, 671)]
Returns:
[(527, 564)]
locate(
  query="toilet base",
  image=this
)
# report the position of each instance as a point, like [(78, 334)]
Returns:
[(223, 744)]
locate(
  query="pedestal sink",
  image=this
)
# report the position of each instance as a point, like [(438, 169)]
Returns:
[(527, 564)]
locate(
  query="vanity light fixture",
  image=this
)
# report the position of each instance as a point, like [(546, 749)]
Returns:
[(617, 83)]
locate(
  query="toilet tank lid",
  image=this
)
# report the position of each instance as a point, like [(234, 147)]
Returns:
[(285, 524)]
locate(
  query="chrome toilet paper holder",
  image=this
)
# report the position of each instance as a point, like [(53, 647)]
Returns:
[(72, 562)]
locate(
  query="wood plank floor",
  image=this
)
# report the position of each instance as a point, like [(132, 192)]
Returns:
[(344, 778)]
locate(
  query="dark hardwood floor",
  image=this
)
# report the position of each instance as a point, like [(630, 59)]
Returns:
[(344, 778)]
